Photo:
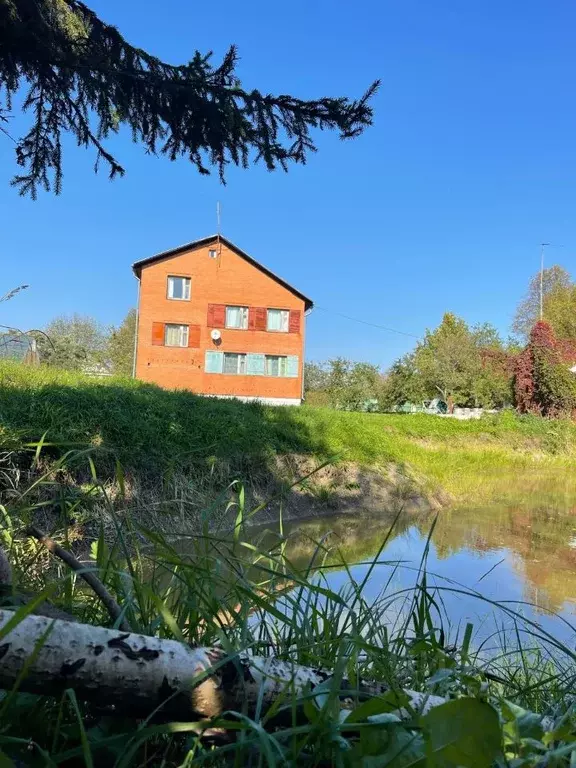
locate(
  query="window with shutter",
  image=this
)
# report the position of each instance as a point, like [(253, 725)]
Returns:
[(278, 320), (175, 335), (276, 365), (237, 317), (216, 315), (194, 336), (213, 362), (255, 364), (292, 366), (235, 363), (158, 334), (257, 318), (294, 322)]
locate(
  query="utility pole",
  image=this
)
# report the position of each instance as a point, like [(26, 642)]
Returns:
[(542, 246)]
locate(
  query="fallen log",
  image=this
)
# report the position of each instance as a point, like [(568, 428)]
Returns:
[(135, 674)]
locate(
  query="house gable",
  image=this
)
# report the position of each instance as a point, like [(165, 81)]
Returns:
[(218, 241)]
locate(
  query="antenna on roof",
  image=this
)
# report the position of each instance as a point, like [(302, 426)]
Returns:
[(218, 228)]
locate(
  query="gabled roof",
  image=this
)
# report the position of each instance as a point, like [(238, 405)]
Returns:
[(138, 265)]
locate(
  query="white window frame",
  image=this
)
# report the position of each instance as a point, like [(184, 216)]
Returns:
[(244, 318), (241, 364), (282, 366), (183, 334), (170, 288), (284, 320)]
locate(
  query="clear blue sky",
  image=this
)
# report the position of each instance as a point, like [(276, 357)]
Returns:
[(440, 206)]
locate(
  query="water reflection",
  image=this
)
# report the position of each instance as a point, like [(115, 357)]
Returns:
[(509, 552)]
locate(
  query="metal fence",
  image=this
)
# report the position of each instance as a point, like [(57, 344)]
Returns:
[(15, 345)]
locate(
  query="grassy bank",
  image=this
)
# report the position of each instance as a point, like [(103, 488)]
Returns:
[(510, 701), (156, 434)]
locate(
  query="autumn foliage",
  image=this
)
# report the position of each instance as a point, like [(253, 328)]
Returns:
[(543, 383)]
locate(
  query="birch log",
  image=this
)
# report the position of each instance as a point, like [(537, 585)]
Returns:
[(136, 674)]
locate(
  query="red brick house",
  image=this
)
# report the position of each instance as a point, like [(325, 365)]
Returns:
[(213, 320)]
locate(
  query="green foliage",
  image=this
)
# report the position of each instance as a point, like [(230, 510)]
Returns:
[(558, 294), (351, 385), (560, 312), (446, 359), (463, 732), (403, 383), (343, 384), (120, 349), (73, 342), (554, 386), (462, 365), (84, 79), (315, 377)]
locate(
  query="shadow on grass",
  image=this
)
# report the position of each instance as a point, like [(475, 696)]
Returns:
[(151, 430)]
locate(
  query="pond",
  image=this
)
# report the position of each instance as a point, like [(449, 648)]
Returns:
[(521, 554)]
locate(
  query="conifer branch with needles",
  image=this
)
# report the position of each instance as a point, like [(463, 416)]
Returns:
[(83, 78)]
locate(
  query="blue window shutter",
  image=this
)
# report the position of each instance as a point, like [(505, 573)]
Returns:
[(292, 366), (214, 362), (255, 364)]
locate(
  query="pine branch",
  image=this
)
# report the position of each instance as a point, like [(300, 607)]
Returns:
[(81, 71)]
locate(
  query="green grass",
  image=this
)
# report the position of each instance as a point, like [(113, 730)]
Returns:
[(154, 432), (404, 638)]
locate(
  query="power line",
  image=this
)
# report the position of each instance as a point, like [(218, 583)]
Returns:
[(366, 322)]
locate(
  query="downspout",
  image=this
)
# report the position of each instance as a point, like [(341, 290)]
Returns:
[(306, 313), (136, 332)]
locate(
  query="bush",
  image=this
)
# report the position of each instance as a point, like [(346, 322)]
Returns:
[(543, 382)]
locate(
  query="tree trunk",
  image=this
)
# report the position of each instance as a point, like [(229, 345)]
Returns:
[(134, 674)]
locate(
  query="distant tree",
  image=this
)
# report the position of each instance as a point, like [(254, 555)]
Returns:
[(121, 345), (493, 369), (343, 384), (83, 78), (363, 386), (403, 383), (462, 365), (543, 382), (447, 360), (492, 384), (556, 287), (560, 312), (315, 377), (73, 342)]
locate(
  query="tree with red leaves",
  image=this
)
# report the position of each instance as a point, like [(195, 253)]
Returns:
[(543, 383)]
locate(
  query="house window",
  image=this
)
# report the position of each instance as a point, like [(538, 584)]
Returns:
[(276, 365), (175, 335), (179, 288), (234, 363), (213, 253), (278, 320), (237, 317)]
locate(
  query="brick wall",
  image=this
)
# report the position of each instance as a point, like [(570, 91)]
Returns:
[(228, 279)]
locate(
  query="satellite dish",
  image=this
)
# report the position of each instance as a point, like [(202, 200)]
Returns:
[(215, 335)]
